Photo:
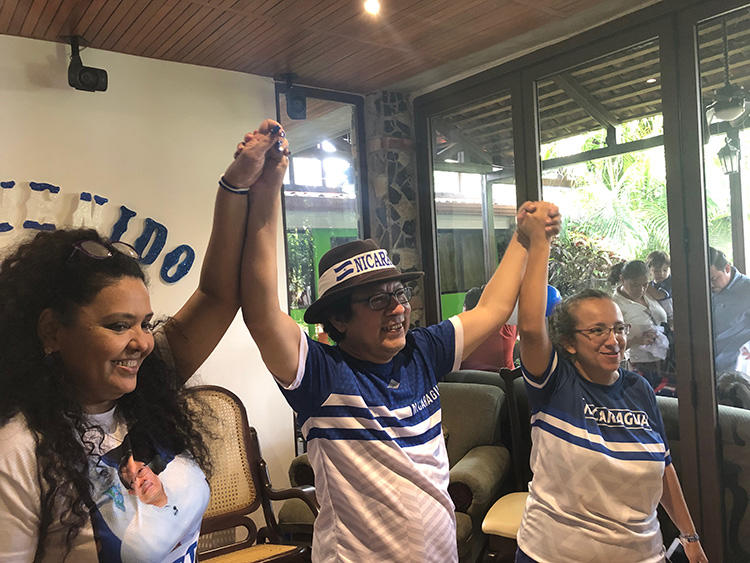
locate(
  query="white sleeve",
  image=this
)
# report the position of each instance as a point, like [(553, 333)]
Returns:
[(20, 502), (301, 362), (458, 328)]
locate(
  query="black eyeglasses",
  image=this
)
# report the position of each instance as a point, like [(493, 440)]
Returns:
[(380, 301), (602, 332), (98, 251)]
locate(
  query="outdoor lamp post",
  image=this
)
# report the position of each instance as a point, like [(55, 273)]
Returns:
[(729, 157)]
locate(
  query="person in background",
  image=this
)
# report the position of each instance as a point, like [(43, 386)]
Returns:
[(730, 311), (84, 370), (600, 459), (497, 351), (660, 286), (370, 405), (648, 345)]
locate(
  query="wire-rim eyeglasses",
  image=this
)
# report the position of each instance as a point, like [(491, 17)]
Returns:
[(381, 300), (603, 332)]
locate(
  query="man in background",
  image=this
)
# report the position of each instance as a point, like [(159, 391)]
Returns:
[(730, 310)]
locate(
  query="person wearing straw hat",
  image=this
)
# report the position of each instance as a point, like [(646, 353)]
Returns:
[(369, 406)]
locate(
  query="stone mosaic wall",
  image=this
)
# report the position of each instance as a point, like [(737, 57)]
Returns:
[(392, 193)]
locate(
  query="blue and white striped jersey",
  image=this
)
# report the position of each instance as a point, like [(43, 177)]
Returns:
[(376, 446), (598, 457)]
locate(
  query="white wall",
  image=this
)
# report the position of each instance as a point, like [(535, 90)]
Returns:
[(156, 141)]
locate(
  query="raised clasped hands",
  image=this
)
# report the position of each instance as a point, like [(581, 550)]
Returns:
[(537, 219), (264, 152)]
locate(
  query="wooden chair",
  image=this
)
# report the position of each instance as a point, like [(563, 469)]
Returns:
[(240, 485)]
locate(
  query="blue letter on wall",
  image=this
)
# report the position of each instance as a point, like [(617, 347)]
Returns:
[(122, 223), (173, 258), (160, 238)]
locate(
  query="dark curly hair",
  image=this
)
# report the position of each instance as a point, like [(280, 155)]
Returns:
[(48, 272), (563, 320)]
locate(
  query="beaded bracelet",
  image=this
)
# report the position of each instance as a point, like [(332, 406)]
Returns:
[(230, 188)]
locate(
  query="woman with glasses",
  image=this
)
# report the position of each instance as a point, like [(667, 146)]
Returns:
[(84, 372), (599, 455)]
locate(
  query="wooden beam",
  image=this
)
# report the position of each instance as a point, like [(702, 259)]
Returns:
[(591, 105), (605, 152), (452, 133)]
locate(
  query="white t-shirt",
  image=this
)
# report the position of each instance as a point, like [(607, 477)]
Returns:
[(125, 528), (598, 457), (121, 527), (641, 319)]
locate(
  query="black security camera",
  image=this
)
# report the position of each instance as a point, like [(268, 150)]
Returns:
[(296, 104), (84, 77), (296, 101)]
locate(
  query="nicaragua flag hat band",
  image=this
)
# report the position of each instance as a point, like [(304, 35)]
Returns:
[(348, 266)]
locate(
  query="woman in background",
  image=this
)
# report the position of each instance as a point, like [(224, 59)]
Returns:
[(647, 345)]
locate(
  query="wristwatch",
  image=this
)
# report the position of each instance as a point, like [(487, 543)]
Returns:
[(690, 538)]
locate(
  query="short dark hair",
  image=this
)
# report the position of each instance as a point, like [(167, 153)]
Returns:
[(657, 259), (339, 309), (472, 297), (563, 320), (633, 269), (717, 258), (614, 273)]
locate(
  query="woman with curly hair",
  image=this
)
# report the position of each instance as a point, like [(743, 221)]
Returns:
[(599, 455), (91, 386)]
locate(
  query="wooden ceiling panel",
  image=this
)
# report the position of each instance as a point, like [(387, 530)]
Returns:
[(33, 18), (327, 43), (18, 16), (129, 15)]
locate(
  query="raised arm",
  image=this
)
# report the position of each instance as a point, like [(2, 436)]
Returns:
[(276, 333), (500, 295), (195, 330), (532, 326)]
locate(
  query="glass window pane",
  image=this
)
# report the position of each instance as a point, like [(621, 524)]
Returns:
[(725, 78), (603, 165), (475, 194), (320, 195)]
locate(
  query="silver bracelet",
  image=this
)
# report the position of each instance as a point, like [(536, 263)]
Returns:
[(230, 188), (690, 538)]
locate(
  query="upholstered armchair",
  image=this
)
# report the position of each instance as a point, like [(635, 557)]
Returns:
[(734, 432), (479, 464)]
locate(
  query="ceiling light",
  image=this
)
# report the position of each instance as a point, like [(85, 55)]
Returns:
[(372, 7), (327, 146), (730, 102), (650, 80)]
